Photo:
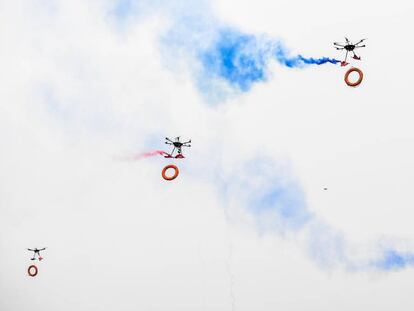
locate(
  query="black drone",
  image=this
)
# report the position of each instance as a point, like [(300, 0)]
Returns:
[(177, 145), (36, 252), (349, 47)]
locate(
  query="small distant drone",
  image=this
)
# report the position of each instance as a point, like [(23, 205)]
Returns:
[(349, 47), (177, 145), (36, 252)]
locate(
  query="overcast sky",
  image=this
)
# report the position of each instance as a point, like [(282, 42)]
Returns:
[(295, 195)]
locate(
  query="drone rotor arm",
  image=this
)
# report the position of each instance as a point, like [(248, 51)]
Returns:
[(360, 41)]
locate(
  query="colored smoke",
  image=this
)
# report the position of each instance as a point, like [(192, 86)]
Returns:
[(243, 59), (144, 155)]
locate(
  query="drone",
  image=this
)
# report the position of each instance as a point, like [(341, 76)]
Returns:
[(36, 252), (177, 145), (349, 47)]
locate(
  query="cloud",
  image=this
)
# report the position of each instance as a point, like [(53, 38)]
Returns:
[(392, 259), (76, 93), (268, 193), (224, 61)]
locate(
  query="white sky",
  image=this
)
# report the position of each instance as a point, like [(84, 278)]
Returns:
[(80, 88)]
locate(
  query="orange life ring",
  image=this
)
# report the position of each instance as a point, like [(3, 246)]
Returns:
[(357, 82), (29, 270), (164, 170)]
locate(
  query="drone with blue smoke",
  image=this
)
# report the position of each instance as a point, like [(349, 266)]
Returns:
[(242, 59)]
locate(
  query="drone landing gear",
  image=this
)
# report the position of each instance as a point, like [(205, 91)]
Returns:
[(178, 156), (344, 63), (356, 57)]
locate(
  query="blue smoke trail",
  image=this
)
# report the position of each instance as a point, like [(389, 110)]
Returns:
[(236, 58), (394, 260), (299, 61), (226, 54), (277, 204), (242, 59)]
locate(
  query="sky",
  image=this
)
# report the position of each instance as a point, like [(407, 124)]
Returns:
[(296, 193)]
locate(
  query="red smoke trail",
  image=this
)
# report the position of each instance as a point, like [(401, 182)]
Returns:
[(144, 155), (149, 154)]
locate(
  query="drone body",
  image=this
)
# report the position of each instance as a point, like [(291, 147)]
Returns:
[(348, 46), (36, 252), (177, 145)]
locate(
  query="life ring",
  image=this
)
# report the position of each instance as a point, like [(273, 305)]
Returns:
[(29, 270), (357, 82), (164, 170)]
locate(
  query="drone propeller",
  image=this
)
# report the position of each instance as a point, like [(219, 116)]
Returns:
[(360, 41)]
